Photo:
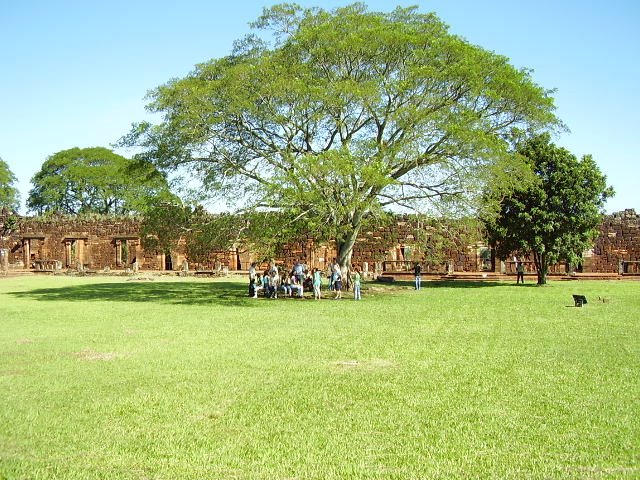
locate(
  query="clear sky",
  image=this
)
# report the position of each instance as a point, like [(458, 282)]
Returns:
[(74, 73)]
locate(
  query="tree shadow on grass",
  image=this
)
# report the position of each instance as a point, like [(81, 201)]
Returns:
[(198, 293), (183, 293)]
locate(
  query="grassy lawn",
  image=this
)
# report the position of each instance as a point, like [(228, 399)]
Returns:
[(104, 378)]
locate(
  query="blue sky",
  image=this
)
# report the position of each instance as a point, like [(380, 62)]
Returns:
[(75, 73)]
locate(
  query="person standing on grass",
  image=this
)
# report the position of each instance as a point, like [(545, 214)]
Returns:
[(274, 283), (298, 271), (317, 282), (417, 270), (356, 285), (257, 285), (330, 277), (337, 285), (519, 272), (252, 278)]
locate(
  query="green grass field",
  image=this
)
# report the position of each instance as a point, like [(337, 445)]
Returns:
[(109, 378)]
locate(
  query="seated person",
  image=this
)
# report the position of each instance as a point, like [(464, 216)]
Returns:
[(297, 286), (286, 285), (265, 284), (308, 281)]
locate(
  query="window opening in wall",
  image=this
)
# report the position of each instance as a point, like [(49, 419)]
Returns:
[(484, 254), (168, 264), (74, 252), (125, 253)]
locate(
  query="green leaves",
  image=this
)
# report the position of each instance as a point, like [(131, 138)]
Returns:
[(95, 180), (555, 216), (342, 113), (9, 195)]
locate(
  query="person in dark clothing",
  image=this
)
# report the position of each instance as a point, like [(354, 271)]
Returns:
[(417, 270), (519, 272)]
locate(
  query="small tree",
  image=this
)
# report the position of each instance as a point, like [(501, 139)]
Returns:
[(9, 196), (555, 216), (8, 224)]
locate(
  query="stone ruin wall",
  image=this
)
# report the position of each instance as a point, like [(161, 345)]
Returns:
[(396, 248), (385, 248), (68, 242), (114, 243), (617, 244)]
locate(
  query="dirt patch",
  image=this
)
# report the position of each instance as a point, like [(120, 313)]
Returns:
[(391, 289), (90, 355), (12, 373), (347, 364), (381, 363), (371, 364), (211, 416), (24, 341)]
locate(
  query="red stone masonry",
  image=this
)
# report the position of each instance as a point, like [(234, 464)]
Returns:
[(98, 243), (617, 248)]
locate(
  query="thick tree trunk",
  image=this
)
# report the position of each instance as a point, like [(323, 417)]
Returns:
[(345, 253), (542, 267), (344, 249)]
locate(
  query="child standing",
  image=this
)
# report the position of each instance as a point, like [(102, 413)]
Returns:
[(257, 286), (317, 281), (356, 285), (337, 285)]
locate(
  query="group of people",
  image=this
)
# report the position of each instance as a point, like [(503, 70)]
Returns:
[(294, 282)]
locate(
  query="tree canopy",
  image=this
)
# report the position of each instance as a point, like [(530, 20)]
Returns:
[(342, 113), (95, 180), (9, 195), (556, 216)]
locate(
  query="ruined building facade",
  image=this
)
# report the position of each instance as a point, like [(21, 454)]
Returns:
[(111, 243)]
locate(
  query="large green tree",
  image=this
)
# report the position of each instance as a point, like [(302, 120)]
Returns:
[(95, 180), (556, 215), (9, 196), (342, 113)]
